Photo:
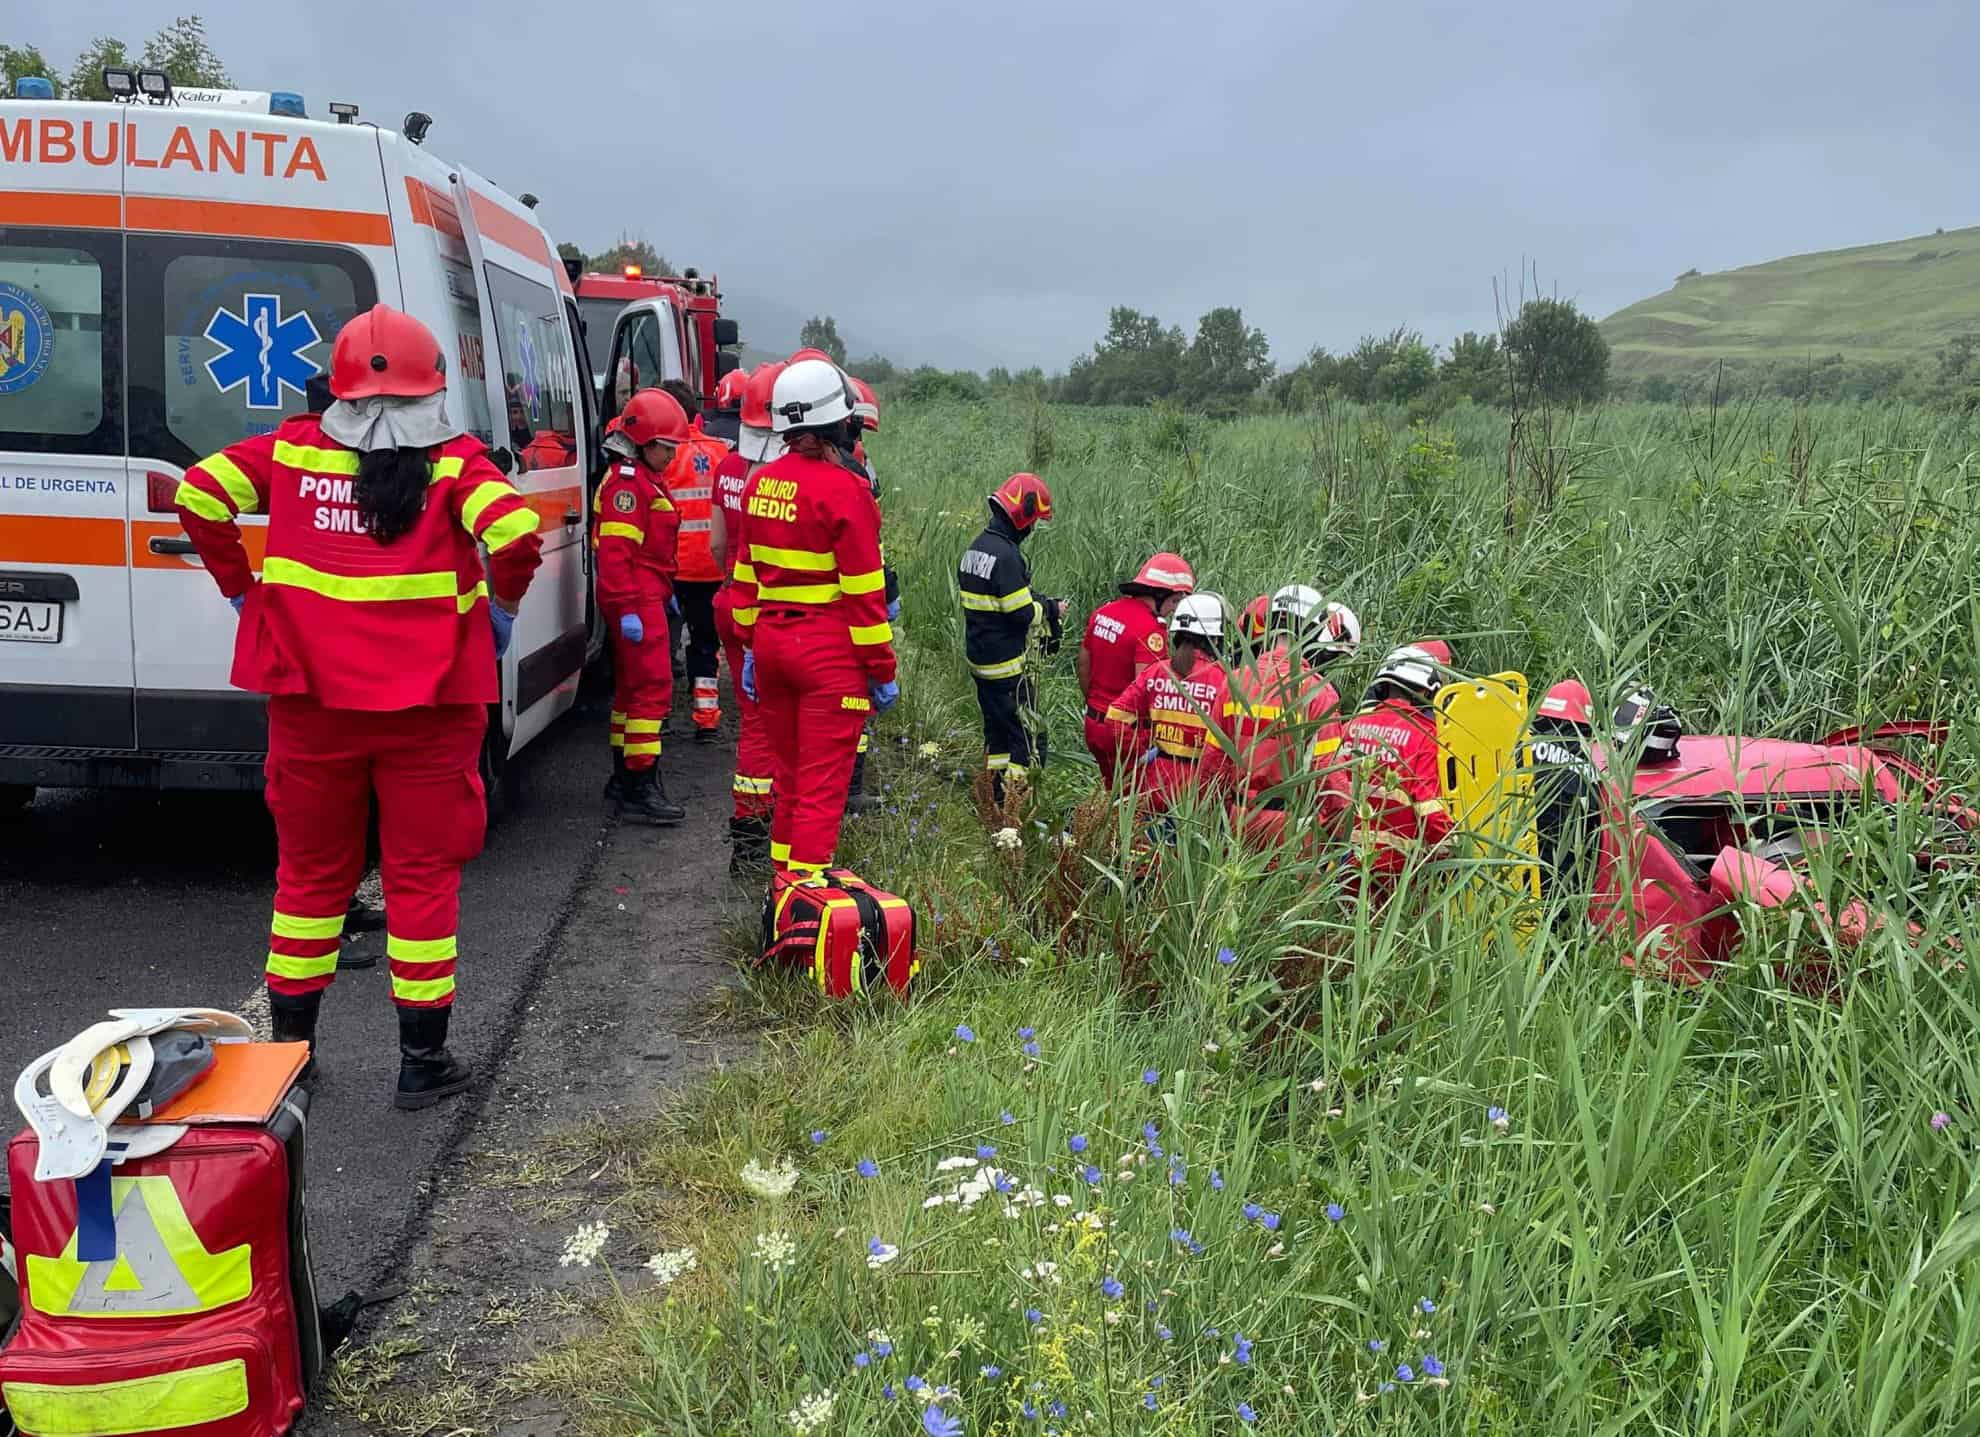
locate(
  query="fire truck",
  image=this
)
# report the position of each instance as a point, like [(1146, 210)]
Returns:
[(641, 330)]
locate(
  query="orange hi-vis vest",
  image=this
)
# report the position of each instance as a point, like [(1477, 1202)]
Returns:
[(690, 483)]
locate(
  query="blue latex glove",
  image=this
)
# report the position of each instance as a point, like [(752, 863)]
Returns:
[(504, 624), (749, 674), (673, 606), (885, 696), (631, 629), (1149, 757), (237, 601), (894, 612)]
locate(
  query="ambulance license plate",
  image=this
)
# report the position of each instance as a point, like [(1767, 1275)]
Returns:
[(26, 623)]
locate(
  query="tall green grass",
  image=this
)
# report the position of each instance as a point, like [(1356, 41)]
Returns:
[(1566, 1198)]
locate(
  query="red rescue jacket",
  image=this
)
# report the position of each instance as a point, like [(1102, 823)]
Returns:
[(638, 528), (1394, 749), (338, 616), (691, 485), (1123, 637), (809, 544), (731, 478), (1177, 715), (1279, 705)]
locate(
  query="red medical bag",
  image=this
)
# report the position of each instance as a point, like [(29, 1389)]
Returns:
[(849, 934)]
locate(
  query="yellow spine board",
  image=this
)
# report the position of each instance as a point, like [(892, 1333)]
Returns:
[(1488, 785)]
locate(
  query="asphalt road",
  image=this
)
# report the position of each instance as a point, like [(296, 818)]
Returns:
[(119, 899)]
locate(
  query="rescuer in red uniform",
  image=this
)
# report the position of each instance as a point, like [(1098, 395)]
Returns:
[(723, 419), (690, 480), (375, 632), (1123, 637), (1284, 711), (1170, 720), (811, 605), (638, 530), (1393, 744)]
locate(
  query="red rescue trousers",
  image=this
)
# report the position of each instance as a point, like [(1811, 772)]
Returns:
[(755, 765), (812, 689), (1104, 744), (642, 687), (324, 767)]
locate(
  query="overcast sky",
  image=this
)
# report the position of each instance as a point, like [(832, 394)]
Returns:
[(978, 184)]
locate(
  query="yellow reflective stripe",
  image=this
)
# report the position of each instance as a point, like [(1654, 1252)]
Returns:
[(424, 990), (871, 583), (1187, 717), (509, 528), (287, 925), (1428, 807), (744, 574), (190, 1397), (321, 461), (996, 761), (751, 786), (1121, 715), (643, 725), (422, 950), (779, 852), (366, 588), (450, 468), (1240, 708), (66, 1286), (991, 603), (1324, 746), (622, 531), (477, 503), (227, 474), (464, 602), (745, 617), (197, 501), (880, 633), (797, 593), (810, 560), (641, 750), (287, 965), (1008, 669), (660, 505)]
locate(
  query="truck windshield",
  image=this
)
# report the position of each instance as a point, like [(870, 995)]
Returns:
[(598, 316)]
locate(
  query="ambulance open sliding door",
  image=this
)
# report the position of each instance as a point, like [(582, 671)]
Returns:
[(65, 609), (225, 338)]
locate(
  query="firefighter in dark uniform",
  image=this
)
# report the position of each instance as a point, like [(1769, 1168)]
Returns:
[(1566, 788), (999, 610)]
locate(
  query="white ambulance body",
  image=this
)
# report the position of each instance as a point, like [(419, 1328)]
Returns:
[(171, 279)]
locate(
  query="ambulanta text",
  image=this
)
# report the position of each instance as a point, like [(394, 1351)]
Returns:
[(267, 153)]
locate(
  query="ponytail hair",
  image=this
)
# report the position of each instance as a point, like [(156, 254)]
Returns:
[(391, 491)]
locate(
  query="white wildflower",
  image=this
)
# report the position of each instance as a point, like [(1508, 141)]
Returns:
[(584, 1246), (666, 1267), (1113, 1318), (811, 1413), (765, 1182), (949, 1165), (1211, 1048), (775, 1250), (930, 749), (879, 1338), (1008, 839), (935, 1201), (1043, 1271), (1061, 1200)]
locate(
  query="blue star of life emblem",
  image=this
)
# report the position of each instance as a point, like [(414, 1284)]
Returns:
[(701, 464), (262, 349)]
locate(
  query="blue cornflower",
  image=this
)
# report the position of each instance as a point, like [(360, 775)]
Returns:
[(1405, 1374), (1213, 1333), (1030, 1412), (1077, 1142), (861, 1359), (1495, 1114), (965, 1034), (1057, 1409), (1163, 1334), (1376, 1344), (1003, 1183), (1006, 1119), (1111, 1287), (1426, 1306), (1241, 1349), (1150, 1131), (914, 1383), (1091, 1174), (1149, 1402), (1245, 1414), (1226, 957), (1181, 1235), (1150, 1076), (1154, 1382), (1335, 1212), (937, 1423), (1176, 1172), (1027, 1033), (1253, 1212), (984, 1152), (991, 1371), (1386, 1388), (1270, 1221), (1031, 1050), (1033, 1316), (868, 1168), (883, 1349), (1431, 1366), (889, 1393), (818, 1136), (1216, 1181)]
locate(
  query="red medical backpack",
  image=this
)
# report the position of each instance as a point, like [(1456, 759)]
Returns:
[(205, 1319), (850, 935)]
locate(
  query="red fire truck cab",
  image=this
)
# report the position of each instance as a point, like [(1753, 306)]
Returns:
[(641, 330)]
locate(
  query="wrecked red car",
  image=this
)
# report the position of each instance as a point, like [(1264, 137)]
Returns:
[(1729, 820)]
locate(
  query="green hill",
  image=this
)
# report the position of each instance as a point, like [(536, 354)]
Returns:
[(1894, 303)]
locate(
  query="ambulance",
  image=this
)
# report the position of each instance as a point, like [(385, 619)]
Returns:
[(172, 275)]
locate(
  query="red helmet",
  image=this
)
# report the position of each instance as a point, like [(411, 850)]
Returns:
[(1568, 702), (809, 353), (1255, 614), (868, 405), (386, 351), (1164, 573), (1024, 499), (1436, 649), (757, 393), (654, 416), (729, 389)]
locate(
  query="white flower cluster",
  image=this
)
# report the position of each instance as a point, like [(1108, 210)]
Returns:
[(1008, 839), (775, 1250), (930, 749), (771, 1183), (811, 1413), (668, 1267), (584, 1246)]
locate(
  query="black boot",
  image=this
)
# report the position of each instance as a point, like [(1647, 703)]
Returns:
[(427, 1071), (294, 1019), (749, 846), (858, 800), (615, 786), (645, 800)]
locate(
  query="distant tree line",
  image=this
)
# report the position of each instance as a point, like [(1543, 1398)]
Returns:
[(180, 49)]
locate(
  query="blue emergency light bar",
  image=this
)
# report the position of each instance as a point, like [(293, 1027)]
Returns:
[(287, 102), (33, 87)]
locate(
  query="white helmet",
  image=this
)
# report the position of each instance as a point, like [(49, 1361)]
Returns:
[(811, 394), (1340, 633), (1199, 615), (1411, 668), (1297, 602)]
